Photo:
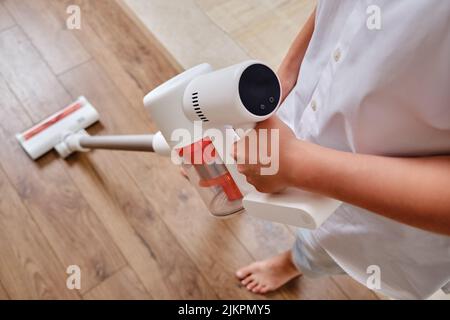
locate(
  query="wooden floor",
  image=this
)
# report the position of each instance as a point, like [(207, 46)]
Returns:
[(135, 227)]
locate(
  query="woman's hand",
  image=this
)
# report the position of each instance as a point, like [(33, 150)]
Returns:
[(278, 152)]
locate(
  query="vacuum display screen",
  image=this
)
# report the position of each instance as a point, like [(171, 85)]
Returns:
[(259, 89)]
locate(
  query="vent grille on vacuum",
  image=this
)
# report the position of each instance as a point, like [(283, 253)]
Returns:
[(197, 108)]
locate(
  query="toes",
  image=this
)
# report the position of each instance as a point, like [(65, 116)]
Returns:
[(247, 280), (244, 272), (257, 289), (251, 285), (264, 289)]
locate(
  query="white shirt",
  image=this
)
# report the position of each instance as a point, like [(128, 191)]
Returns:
[(383, 92)]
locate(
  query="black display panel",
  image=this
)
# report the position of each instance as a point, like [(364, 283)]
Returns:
[(259, 89)]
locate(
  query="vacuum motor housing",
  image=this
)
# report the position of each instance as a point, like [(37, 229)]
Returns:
[(248, 92)]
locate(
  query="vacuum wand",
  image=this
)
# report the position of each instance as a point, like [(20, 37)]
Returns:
[(126, 142), (82, 142)]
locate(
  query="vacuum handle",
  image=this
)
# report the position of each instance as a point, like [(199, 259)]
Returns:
[(118, 142), (293, 206)]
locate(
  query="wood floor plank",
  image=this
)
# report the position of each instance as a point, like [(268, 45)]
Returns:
[(138, 54), (65, 218), (28, 267), (145, 241), (123, 285), (132, 58), (6, 21), (111, 202), (168, 194), (3, 294), (58, 45), (28, 76)]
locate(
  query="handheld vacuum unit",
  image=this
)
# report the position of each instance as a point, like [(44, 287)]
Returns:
[(221, 101)]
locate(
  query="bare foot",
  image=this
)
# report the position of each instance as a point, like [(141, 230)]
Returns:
[(268, 275)]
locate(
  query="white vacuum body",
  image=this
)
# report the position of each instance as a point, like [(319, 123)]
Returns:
[(235, 97)]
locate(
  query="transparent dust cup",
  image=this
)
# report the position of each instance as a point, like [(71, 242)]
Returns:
[(211, 178)]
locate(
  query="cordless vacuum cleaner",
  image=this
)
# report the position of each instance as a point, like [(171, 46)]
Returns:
[(199, 113)]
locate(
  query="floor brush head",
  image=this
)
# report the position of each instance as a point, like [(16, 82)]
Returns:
[(48, 133)]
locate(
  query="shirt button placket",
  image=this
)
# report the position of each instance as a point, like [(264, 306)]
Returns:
[(337, 55), (314, 105)]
